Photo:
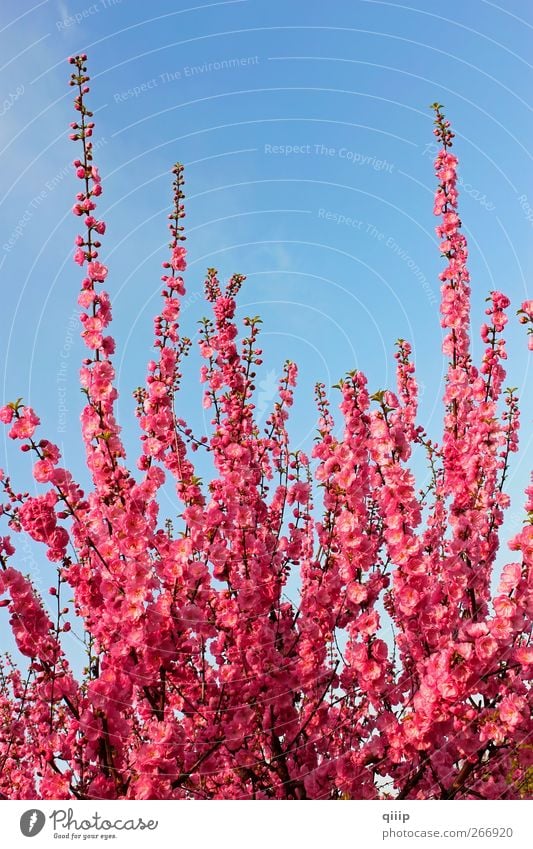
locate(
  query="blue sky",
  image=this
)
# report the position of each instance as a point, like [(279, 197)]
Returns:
[(307, 140)]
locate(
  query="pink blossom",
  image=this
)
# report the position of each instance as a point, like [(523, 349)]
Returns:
[(486, 647), (527, 307), (512, 709), (97, 271), (178, 259), (25, 425)]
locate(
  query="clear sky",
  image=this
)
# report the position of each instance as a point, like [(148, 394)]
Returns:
[(307, 140)]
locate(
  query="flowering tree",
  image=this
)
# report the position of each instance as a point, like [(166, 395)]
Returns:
[(203, 680)]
